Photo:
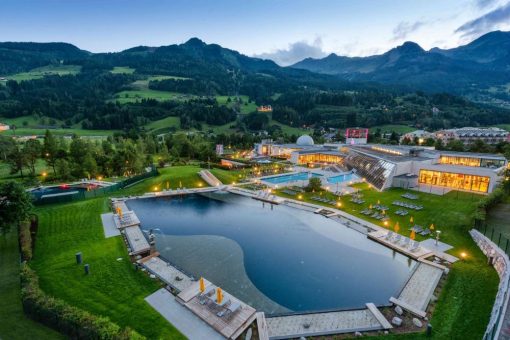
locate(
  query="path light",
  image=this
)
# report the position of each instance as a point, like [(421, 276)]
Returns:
[(44, 174), (437, 236), (385, 223), (200, 184), (339, 204), (300, 197), (463, 256)]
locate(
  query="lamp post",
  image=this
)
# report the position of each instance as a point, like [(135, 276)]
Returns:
[(438, 232)]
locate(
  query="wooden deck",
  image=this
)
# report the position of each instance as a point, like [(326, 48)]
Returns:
[(128, 219), (137, 242), (230, 325), (379, 236)]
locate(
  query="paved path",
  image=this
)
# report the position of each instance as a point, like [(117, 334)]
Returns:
[(420, 287), (110, 230), (136, 240), (182, 318), (292, 326)]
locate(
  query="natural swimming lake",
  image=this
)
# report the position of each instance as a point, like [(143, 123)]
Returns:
[(277, 260)]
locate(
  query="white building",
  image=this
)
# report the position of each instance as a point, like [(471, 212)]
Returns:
[(468, 135)]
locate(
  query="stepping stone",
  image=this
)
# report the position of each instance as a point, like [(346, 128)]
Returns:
[(417, 323), (399, 310), (396, 321)]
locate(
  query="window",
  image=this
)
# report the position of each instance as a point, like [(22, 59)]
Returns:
[(455, 180)]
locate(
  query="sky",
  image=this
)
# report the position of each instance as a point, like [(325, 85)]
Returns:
[(282, 30)]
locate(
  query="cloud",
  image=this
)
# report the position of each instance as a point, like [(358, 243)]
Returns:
[(484, 3), (404, 28), (487, 22), (295, 52)]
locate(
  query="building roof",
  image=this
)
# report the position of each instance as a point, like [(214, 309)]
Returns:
[(471, 155)]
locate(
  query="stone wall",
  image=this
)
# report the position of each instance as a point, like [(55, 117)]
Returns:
[(500, 262)]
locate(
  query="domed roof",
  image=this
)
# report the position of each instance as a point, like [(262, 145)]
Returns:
[(305, 140)]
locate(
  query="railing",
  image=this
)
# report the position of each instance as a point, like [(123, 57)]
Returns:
[(99, 192)]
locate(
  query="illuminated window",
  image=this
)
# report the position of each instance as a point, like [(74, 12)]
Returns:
[(455, 180)]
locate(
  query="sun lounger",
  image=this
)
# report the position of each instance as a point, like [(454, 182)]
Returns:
[(231, 308), (425, 232), (389, 235), (202, 297), (397, 239)]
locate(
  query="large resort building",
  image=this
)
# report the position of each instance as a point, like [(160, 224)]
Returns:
[(385, 166)]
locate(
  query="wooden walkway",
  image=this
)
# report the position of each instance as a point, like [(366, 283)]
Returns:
[(136, 240), (380, 236)]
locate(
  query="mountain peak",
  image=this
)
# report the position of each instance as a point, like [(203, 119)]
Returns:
[(409, 47), (195, 42)]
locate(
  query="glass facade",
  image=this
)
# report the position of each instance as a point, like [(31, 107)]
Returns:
[(472, 161), (455, 180), (319, 158), (375, 171)]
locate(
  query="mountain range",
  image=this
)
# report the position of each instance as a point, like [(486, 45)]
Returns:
[(479, 70)]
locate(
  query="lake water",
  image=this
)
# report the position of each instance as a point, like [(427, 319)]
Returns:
[(277, 260)]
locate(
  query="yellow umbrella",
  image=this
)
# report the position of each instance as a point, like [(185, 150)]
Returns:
[(413, 235), (384, 212), (202, 284), (370, 206), (167, 185), (432, 226), (219, 295), (411, 220), (378, 202), (396, 228)]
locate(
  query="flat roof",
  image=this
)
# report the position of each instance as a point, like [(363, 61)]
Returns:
[(387, 157), (322, 151)]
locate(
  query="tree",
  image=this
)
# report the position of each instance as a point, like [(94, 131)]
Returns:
[(50, 150), (15, 204), (314, 184), (32, 151), (63, 169), (16, 160), (7, 146)]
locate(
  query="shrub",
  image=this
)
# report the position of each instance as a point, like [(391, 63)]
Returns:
[(314, 184), (69, 320)]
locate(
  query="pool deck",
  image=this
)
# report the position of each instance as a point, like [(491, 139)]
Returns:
[(418, 290), (231, 325), (136, 240), (326, 323), (166, 272)]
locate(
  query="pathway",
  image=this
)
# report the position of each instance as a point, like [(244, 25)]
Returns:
[(166, 273)]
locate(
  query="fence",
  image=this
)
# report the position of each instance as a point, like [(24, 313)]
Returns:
[(99, 192), (502, 241)]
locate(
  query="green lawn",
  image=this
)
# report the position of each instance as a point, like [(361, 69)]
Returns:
[(164, 124), (123, 70), (5, 175), (40, 72), (245, 108), (465, 303), (289, 130), (113, 288), (14, 325), (132, 96)]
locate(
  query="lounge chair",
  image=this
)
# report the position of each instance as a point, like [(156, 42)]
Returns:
[(231, 308), (202, 297), (389, 235), (397, 239)]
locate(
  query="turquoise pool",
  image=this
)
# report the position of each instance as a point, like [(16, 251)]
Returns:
[(301, 176), (343, 178)]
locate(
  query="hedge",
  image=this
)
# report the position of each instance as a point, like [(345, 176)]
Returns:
[(69, 320), (489, 202), (25, 241)]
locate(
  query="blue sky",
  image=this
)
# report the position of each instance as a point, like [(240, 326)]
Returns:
[(285, 31)]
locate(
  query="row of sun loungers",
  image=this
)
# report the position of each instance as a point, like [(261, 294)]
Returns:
[(289, 192), (419, 230), (228, 305), (410, 196), (401, 212), (323, 200), (408, 205), (357, 200), (380, 207), (402, 241), (375, 214)]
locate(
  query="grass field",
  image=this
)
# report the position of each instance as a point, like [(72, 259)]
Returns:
[(245, 108), (14, 325), (114, 288), (132, 96), (58, 132), (38, 73), (291, 130), (5, 175), (465, 303), (504, 126), (123, 70), (163, 125)]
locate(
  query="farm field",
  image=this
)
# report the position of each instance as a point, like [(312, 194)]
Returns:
[(38, 73), (122, 70)]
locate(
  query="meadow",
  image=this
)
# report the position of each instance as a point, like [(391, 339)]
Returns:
[(40, 72)]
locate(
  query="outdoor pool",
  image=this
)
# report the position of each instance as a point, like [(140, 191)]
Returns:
[(62, 189), (343, 178), (278, 259), (301, 176)]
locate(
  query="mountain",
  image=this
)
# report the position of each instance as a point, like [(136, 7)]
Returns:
[(23, 56), (468, 69)]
